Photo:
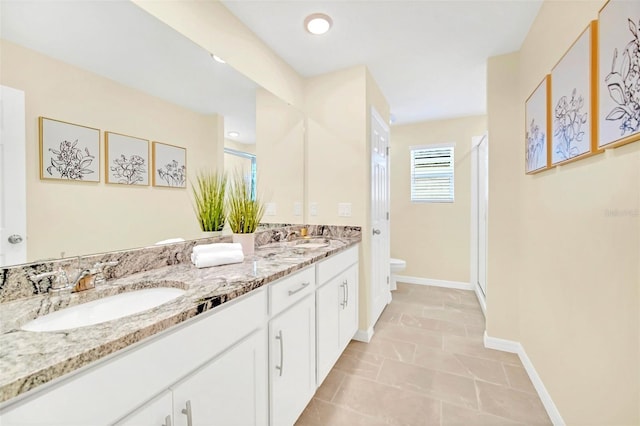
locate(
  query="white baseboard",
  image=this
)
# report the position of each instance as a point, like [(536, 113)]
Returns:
[(364, 335), (436, 283), (481, 300), (517, 348)]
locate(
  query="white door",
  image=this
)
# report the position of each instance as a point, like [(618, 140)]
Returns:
[(13, 201), (483, 200), (380, 242)]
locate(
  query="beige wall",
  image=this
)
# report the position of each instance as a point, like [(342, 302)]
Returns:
[(574, 268), (80, 218), (239, 146), (433, 238), (280, 151)]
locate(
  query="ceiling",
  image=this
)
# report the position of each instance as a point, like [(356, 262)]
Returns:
[(428, 57), (120, 41)]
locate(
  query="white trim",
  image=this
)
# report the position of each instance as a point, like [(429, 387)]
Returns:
[(364, 335), (481, 300), (435, 283), (543, 393)]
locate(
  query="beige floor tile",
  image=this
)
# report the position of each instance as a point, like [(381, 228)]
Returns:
[(404, 288), (412, 335), (330, 385), (452, 415), (356, 365), (511, 404), (436, 384), (446, 327), (420, 299), (484, 369), (519, 379), (393, 405), (475, 330), (322, 413), (475, 347), (437, 359), (371, 358), (394, 349)]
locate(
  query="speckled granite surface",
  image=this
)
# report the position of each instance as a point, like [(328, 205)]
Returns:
[(28, 359)]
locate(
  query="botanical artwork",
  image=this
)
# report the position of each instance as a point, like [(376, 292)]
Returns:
[(127, 159), (619, 73), (571, 102), (536, 129), (169, 165), (69, 151)]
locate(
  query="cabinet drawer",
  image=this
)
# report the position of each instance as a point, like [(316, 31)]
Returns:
[(331, 267), (286, 291)]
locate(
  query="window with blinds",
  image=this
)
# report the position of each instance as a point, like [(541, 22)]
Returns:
[(432, 174)]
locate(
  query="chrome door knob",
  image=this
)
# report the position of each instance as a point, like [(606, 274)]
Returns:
[(376, 232), (15, 239)]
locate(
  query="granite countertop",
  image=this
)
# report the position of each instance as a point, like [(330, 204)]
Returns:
[(29, 359)]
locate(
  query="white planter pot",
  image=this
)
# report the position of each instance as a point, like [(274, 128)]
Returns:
[(247, 241)]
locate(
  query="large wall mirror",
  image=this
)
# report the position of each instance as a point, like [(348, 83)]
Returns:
[(113, 67)]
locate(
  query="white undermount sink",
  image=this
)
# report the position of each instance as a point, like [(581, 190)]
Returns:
[(103, 310)]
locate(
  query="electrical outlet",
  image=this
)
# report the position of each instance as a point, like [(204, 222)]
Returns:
[(344, 209), (313, 209), (297, 208), (270, 209)]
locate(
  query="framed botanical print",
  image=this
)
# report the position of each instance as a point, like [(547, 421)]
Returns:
[(537, 128), (619, 73), (572, 101), (169, 165), (69, 151), (126, 159)]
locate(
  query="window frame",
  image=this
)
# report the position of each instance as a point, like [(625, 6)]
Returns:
[(440, 173)]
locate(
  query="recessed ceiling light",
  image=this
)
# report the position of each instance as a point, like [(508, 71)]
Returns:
[(318, 23), (233, 134), (218, 59)]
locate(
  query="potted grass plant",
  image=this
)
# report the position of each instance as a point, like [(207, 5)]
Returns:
[(245, 213), (209, 197)]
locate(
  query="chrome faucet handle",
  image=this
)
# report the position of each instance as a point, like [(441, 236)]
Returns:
[(99, 268), (59, 284)]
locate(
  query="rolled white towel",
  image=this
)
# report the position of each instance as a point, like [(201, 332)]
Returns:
[(170, 241), (216, 248), (206, 260), (234, 250)]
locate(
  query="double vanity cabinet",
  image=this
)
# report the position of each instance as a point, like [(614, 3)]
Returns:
[(255, 360)]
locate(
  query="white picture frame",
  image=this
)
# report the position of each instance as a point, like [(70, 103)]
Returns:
[(126, 159), (619, 89), (68, 151), (537, 128), (169, 165), (573, 97)]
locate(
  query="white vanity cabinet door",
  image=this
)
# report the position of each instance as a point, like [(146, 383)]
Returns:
[(328, 309), (348, 306), (230, 390), (292, 361), (156, 412)]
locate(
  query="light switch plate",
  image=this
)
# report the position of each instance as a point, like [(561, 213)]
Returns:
[(297, 208), (313, 209), (270, 209), (344, 209)]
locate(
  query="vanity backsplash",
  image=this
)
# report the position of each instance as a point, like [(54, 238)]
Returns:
[(16, 284)]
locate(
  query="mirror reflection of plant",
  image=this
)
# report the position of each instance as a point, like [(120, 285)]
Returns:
[(70, 162), (568, 124), (624, 85), (173, 174), (129, 171), (209, 195), (245, 213), (535, 145)]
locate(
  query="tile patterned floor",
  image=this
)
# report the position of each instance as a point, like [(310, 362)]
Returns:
[(426, 365)]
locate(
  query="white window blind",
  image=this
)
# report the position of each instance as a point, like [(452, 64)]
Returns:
[(432, 176)]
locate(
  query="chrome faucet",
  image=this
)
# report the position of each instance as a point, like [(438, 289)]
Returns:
[(79, 283)]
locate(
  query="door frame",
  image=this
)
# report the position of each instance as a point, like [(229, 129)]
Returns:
[(475, 142)]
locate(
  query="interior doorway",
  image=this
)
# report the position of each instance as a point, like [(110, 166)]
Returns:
[(479, 215)]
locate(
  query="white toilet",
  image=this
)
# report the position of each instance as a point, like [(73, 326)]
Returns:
[(396, 266)]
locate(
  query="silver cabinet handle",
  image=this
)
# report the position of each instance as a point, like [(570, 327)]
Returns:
[(281, 366), (292, 292), (167, 421), (15, 239), (376, 231), (187, 412), (344, 294)]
